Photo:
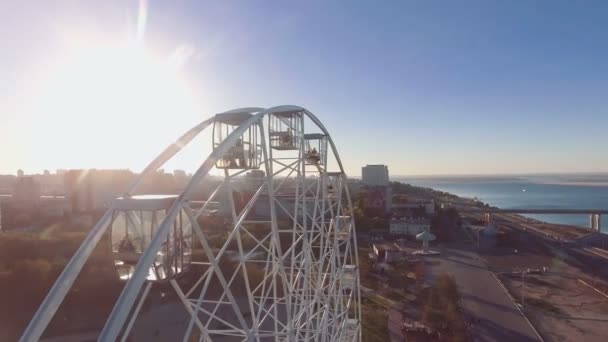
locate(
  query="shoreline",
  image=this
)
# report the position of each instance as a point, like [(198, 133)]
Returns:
[(559, 231), (552, 191)]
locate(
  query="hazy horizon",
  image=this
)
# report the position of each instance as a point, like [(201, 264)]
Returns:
[(392, 176)]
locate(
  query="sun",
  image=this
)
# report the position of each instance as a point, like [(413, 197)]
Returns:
[(110, 105)]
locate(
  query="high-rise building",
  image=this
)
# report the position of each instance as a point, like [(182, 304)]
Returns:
[(27, 207), (92, 190), (375, 175), (26, 189), (180, 177)]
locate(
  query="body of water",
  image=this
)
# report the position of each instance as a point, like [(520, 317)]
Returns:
[(588, 191)]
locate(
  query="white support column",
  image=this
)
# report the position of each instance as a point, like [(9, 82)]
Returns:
[(594, 222), (142, 299)]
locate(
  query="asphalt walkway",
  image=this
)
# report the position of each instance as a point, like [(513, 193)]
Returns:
[(488, 308)]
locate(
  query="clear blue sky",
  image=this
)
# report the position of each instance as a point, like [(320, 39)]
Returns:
[(426, 87)]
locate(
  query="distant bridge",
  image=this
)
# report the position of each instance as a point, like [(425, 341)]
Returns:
[(594, 214), (535, 211)]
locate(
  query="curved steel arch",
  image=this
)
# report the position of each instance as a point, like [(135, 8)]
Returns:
[(129, 294), (182, 141)]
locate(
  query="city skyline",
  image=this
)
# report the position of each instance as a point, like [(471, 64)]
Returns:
[(433, 88)]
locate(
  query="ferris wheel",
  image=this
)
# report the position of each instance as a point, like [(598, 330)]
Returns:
[(287, 267)]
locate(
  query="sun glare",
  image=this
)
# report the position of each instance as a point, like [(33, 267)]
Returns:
[(108, 95)]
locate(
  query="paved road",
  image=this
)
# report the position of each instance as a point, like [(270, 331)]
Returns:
[(493, 314), (394, 325)]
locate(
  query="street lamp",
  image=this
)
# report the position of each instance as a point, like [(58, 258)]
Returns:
[(523, 283)]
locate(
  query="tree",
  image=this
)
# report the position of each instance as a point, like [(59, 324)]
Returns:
[(379, 222), (447, 286), (444, 222), (419, 211), (361, 220), (431, 312)]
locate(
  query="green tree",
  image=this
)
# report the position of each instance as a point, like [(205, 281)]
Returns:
[(444, 222)]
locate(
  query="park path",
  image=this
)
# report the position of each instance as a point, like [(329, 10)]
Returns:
[(488, 308), (394, 324)]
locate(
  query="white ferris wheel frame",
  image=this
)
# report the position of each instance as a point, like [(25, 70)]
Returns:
[(314, 305)]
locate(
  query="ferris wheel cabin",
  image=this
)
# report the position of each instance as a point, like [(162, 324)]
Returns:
[(246, 151), (135, 222), (342, 225), (333, 180), (348, 277), (315, 149), (285, 129)]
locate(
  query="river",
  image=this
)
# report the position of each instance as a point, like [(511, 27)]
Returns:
[(574, 191)]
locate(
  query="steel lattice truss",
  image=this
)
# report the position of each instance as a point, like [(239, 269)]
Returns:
[(288, 275)]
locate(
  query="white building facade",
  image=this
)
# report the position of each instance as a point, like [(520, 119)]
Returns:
[(427, 205), (410, 226)]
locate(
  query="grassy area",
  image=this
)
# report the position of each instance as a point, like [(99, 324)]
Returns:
[(377, 302), (388, 289), (540, 282), (441, 309), (374, 308), (396, 296), (375, 318), (543, 305), (375, 325), (29, 265)]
